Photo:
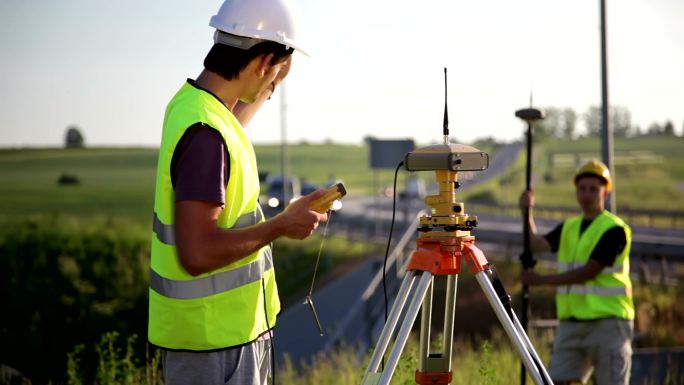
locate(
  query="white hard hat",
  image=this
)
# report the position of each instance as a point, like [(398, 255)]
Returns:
[(272, 20)]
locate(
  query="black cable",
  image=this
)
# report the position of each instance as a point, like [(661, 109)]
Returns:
[(389, 239), (270, 339)]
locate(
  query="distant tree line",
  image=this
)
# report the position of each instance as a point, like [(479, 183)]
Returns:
[(561, 123)]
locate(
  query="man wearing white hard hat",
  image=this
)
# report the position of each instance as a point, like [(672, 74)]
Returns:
[(213, 295)]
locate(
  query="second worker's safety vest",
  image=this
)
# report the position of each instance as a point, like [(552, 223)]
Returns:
[(607, 295), (232, 305)]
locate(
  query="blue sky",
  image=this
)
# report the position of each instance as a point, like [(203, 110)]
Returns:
[(376, 66)]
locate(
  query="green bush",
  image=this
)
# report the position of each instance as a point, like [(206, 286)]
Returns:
[(115, 367), (65, 282)]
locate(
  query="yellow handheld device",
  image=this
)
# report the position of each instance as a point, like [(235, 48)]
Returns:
[(325, 202)]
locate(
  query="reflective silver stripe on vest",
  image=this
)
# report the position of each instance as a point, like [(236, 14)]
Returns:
[(249, 219), (594, 290), (167, 233), (212, 284), (563, 267)]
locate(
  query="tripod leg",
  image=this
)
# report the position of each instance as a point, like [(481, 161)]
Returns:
[(530, 347), (505, 300), (390, 325), (514, 334), (406, 325), (425, 323), (449, 311), (435, 368)]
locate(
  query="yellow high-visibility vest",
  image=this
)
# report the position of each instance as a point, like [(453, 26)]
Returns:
[(228, 306), (609, 294)]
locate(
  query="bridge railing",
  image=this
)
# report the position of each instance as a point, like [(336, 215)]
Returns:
[(638, 217), (371, 306)]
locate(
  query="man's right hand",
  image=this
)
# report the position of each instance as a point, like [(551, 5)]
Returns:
[(298, 220), (538, 243), (526, 199)]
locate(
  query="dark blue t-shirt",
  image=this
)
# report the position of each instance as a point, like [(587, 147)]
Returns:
[(200, 166), (611, 244)]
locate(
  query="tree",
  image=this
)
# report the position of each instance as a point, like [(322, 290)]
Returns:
[(74, 138), (549, 127), (569, 123), (558, 123), (667, 129), (592, 120), (654, 129), (621, 120)]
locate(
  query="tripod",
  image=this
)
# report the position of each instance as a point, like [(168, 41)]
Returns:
[(440, 253)]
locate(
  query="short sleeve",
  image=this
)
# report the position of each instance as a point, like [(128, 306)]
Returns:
[(553, 238), (200, 166), (611, 244)]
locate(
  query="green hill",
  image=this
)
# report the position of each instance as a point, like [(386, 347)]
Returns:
[(649, 173), (120, 181)]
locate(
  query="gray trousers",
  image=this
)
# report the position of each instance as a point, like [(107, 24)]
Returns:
[(602, 347), (246, 365)]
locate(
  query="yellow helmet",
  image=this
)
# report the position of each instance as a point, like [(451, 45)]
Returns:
[(594, 167)]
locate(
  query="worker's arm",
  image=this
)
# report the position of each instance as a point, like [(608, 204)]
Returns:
[(203, 247), (582, 274), (538, 243), (244, 112)]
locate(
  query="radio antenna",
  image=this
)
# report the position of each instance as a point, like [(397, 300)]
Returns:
[(446, 112)]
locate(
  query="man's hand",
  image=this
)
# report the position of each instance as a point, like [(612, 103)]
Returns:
[(299, 221), (284, 70), (526, 199), (580, 275), (530, 278)]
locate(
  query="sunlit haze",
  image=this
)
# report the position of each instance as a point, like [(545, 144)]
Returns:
[(375, 69)]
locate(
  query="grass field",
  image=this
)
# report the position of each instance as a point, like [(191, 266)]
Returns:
[(113, 182), (649, 173), (120, 181)]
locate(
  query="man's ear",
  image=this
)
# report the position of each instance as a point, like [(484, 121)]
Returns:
[(264, 64)]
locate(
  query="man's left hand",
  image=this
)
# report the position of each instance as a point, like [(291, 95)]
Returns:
[(530, 277)]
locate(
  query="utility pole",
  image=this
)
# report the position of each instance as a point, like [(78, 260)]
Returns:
[(283, 145), (606, 126)]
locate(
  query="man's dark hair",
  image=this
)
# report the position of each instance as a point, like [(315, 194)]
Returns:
[(228, 61)]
